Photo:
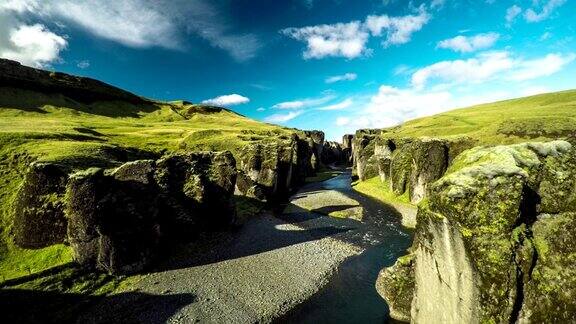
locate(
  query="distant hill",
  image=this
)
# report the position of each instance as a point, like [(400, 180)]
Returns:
[(81, 122), (55, 116), (540, 117)]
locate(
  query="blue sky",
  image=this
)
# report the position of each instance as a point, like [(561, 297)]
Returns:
[(334, 65)]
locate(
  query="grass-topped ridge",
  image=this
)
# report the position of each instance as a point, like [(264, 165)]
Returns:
[(535, 118), (81, 123)]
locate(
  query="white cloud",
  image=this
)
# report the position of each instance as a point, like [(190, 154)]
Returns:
[(545, 36), (304, 103), (398, 30), (261, 109), (392, 106), (282, 118), (83, 64), (465, 44), (343, 77), (343, 40), (547, 9), (437, 4), (349, 40), (545, 66), (486, 66), (227, 100), (32, 45), (339, 106), (342, 121), (512, 13), (146, 23), (401, 69)]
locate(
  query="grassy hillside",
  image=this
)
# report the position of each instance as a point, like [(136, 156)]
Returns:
[(46, 124), (541, 117)]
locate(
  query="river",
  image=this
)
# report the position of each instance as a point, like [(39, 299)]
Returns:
[(351, 296)]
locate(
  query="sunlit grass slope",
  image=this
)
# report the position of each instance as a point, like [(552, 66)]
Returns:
[(540, 117), (39, 126)]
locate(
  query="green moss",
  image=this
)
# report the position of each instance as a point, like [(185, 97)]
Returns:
[(323, 175), (43, 127), (380, 191), (21, 262)]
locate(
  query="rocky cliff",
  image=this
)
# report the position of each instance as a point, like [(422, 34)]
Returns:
[(116, 219), (409, 165), (494, 241)]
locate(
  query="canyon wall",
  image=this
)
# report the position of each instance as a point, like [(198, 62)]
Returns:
[(494, 241)]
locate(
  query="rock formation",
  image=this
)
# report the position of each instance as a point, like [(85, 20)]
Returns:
[(347, 147), (364, 163), (494, 241), (116, 219), (39, 219), (409, 164), (316, 142), (332, 153)]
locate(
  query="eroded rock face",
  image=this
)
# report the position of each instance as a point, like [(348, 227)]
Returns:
[(416, 164), (332, 153), (365, 165), (412, 164), (270, 170), (347, 147), (114, 221), (396, 285), (550, 292), (39, 219), (198, 187), (117, 219), (481, 249), (316, 143)]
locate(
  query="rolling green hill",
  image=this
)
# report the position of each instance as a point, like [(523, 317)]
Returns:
[(540, 117), (81, 123)]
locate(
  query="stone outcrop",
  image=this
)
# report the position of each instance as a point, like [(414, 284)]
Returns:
[(115, 220), (396, 285), (494, 240), (316, 142), (332, 153), (365, 165), (39, 219), (271, 170), (408, 164), (347, 147), (198, 188)]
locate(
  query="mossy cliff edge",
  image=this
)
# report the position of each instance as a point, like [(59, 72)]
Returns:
[(76, 152), (494, 241)]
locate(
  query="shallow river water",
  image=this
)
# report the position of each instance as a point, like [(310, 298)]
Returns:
[(351, 296)]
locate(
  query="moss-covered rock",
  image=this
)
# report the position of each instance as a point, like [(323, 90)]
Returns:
[(416, 163), (114, 223), (117, 218), (316, 142), (332, 153), (396, 285), (365, 164), (479, 233), (347, 141), (198, 187), (39, 219), (550, 292)]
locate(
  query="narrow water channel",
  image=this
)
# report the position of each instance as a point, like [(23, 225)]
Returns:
[(351, 296)]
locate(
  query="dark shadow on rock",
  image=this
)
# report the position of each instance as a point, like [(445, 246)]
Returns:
[(29, 306)]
